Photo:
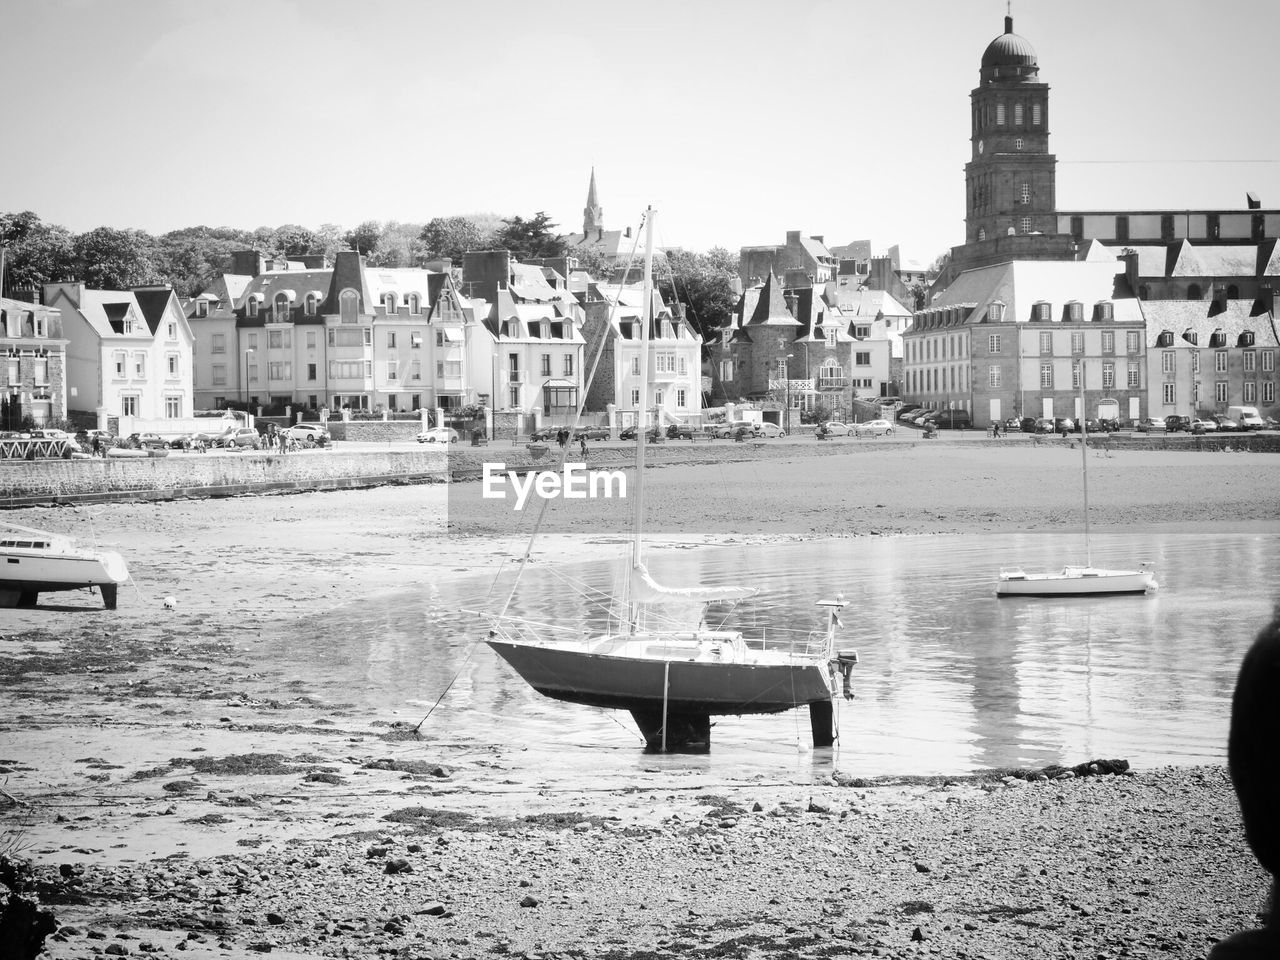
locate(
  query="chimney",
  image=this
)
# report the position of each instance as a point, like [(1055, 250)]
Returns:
[(1267, 294), (1130, 259), (793, 237), (628, 233), (819, 238)]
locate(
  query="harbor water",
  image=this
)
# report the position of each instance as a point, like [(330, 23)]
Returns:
[(952, 679)]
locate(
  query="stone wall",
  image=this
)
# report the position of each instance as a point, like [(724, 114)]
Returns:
[(193, 475)]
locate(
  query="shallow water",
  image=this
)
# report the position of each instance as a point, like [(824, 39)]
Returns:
[(951, 679)]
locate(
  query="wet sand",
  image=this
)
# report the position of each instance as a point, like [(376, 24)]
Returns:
[(190, 791)]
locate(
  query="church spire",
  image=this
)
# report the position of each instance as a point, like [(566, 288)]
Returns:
[(592, 213)]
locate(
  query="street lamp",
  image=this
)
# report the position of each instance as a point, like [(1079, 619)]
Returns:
[(246, 378)]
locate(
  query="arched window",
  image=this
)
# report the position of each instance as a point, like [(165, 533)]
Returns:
[(389, 302), (280, 308), (349, 306), (415, 304), (1193, 291), (252, 305), (312, 302)]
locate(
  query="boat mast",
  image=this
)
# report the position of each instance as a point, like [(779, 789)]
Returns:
[(1084, 467), (642, 431)]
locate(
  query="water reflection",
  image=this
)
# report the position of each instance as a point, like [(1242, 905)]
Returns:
[(952, 679)]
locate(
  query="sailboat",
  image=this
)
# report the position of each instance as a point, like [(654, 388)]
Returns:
[(1078, 581), (36, 561), (673, 677)]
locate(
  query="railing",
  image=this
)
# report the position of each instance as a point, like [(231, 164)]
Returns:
[(34, 449)]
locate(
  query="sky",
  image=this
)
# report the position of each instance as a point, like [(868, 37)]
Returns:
[(737, 121)]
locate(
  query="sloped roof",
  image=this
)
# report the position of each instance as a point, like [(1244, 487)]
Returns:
[(815, 248), (871, 303), (771, 307), (1232, 317), (398, 280), (101, 307), (857, 250), (1022, 283)]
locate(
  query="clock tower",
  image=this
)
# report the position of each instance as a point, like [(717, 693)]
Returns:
[(1009, 179)]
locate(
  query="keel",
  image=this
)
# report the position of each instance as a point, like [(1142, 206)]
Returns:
[(822, 720), (109, 595), (685, 732)]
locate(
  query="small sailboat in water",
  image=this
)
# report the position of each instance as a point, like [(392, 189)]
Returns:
[(1076, 580), (673, 677)]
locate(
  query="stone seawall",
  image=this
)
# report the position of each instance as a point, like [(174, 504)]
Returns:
[(23, 483)]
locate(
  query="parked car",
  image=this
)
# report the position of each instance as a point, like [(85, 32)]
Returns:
[(628, 433), (873, 428), (908, 412), (1045, 425), (1175, 422), (1011, 424), (592, 433), (1110, 425), (767, 429), (1089, 425), (1028, 425), (924, 416), (1200, 425), (238, 438), (314, 433), (146, 441), (834, 428), (953, 419), (749, 428), (1224, 423), (548, 433), (1149, 425), (438, 435), (679, 431)]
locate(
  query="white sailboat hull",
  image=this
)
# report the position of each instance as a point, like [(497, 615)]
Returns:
[(34, 562), (1074, 582)]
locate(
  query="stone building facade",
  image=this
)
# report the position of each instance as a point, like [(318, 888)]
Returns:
[(33, 376)]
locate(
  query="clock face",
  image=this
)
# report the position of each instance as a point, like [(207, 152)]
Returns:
[(980, 145)]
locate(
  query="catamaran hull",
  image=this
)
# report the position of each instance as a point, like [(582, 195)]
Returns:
[(26, 575), (690, 687), (1076, 584)]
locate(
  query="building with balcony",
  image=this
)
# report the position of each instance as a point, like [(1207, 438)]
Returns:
[(33, 378), (129, 352), (614, 314)]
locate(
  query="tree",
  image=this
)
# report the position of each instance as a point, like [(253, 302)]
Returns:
[(593, 261), (450, 237), (37, 252), (397, 246), (364, 239), (111, 259), (706, 283), (191, 257), (292, 240), (530, 238)]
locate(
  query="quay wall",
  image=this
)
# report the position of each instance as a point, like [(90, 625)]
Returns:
[(182, 475)]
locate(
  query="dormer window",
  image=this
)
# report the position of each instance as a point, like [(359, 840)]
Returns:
[(1104, 310), (1165, 339), (281, 307), (202, 308), (1191, 336), (253, 306), (415, 304), (1246, 339), (545, 329), (312, 302), (1217, 338), (349, 306), (389, 302), (995, 311), (1073, 311), (1040, 310)]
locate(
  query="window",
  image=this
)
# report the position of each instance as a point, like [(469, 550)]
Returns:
[(1220, 391), (657, 398), (1169, 394), (993, 343), (1250, 392), (1046, 343), (1109, 375), (860, 332), (993, 376), (1040, 310), (1017, 114), (280, 312), (253, 306), (982, 233), (1269, 391), (389, 302), (568, 364), (393, 369), (219, 374), (635, 398), (279, 370), (995, 312), (349, 306), (173, 407), (1025, 193), (415, 304), (1135, 376), (391, 339), (1220, 361), (1195, 362), (1077, 342), (726, 368), (128, 406), (415, 370), (219, 344), (1024, 225), (1250, 361), (367, 336), (140, 366), (545, 360), (1213, 225), (173, 364), (683, 364), (1000, 114), (276, 339), (1194, 292), (1046, 376), (1108, 341), (1018, 143), (311, 341), (680, 398), (311, 372), (1167, 361), (1268, 361), (514, 396), (1103, 310), (1035, 114), (202, 308), (309, 305), (860, 359), (1132, 343), (1075, 376)]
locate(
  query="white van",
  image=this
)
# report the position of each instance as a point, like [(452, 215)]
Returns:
[(1247, 417)]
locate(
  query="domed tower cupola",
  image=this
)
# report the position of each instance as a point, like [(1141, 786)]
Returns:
[(1009, 57)]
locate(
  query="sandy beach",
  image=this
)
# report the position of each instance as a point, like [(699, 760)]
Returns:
[(174, 800)]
